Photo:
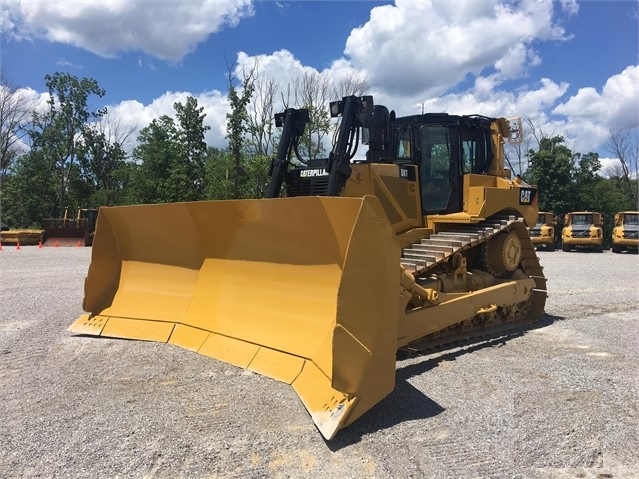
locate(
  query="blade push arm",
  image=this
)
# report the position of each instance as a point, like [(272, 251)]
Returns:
[(293, 123), (354, 112)]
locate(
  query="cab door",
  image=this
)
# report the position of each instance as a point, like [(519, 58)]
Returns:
[(439, 169)]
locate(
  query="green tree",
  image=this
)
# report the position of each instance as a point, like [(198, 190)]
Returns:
[(190, 135), (237, 126), (257, 175), (56, 133), (608, 200), (128, 177), (252, 182), (586, 180), (551, 169), (219, 175), (31, 189), (101, 165), (158, 153), (619, 195), (172, 157), (15, 111)]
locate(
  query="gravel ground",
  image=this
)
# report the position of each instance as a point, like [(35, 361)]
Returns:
[(559, 400)]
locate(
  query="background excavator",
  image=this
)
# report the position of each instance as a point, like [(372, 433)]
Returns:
[(421, 241)]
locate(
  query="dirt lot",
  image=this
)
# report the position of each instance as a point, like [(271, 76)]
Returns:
[(559, 400)]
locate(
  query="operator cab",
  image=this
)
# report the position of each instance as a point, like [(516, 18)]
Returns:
[(444, 147)]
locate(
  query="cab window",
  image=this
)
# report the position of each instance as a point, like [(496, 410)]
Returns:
[(403, 145), (473, 152), (435, 167)]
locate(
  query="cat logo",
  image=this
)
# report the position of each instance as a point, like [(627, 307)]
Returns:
[(526, 196)]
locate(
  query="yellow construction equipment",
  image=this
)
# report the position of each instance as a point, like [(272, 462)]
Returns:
[(422, 241), (68, 231), (65, 231), (23, 237), (582, 230), (625, 231), (543, 233)]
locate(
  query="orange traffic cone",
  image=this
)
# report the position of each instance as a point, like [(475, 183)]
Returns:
[(18, 245), (56, 243), (39, 244), (79, 245)]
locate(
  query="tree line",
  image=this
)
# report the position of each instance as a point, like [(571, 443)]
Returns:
[(77, 157)]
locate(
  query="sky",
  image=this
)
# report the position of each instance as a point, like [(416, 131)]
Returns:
[(571, 67)]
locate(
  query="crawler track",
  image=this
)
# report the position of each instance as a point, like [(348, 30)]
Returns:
[(431, 257)]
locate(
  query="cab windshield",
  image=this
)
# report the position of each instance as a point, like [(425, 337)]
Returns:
[(582, 220), (541, 219), (631, 220)]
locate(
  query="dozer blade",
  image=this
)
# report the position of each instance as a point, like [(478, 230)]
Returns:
[(303, 290)]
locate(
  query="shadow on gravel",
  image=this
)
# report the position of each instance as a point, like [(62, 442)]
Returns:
[(406, 403)]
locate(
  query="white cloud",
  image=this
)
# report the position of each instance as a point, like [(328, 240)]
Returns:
[(32, 101), (431, 46), (537, 102), (512, 64), (427, 55), (617, 104), (588, 116), (570, 6), (484, 99), (64, 63), (280, 65), (167, 29), (531, 101), (132, 114), (611, 167), (35, 99)]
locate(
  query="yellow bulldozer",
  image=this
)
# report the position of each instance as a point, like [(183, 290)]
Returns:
[(625, 232), (582, 230), (422, 241), (543, 233)]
